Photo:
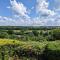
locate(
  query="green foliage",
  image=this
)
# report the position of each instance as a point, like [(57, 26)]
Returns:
[(22, 32), (12, 48), (10, 32), (33, 35), (36, 33), (36, 43), (4, 35), (52, 51), (56, 34)]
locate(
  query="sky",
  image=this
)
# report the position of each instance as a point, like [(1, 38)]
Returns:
[(29, 12)]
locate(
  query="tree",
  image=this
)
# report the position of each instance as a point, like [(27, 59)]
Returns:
[(56, 34), (36, 33), (41, 32), (10, 32), (22, 32), (4, 35)]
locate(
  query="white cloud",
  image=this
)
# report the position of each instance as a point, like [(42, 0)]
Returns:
[(17, 21), (21, 17), (42, 8), (5, 21), (19, 8)]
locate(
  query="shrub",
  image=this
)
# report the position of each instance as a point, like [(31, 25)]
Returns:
[(52, 51), (4, 35), (10, 32), (56, 34), (36, 33)]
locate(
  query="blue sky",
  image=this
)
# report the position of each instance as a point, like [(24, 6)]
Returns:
[(30, 12), (7, 12)]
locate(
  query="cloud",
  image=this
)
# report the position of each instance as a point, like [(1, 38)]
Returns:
[(42, 8), (57, 5), (6, 21), (19, 8), (45, 16), (17, 21)]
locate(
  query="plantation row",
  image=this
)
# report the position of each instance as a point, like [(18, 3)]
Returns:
[(14, 50)]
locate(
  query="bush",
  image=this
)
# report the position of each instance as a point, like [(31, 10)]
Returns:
[(20, 48), (52, 51), (46, 50), (56, 34), (10, 31), (4, 35), (36, 33)]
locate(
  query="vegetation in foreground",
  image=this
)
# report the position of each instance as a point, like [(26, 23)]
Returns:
[(29, 43), (14, 50)]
